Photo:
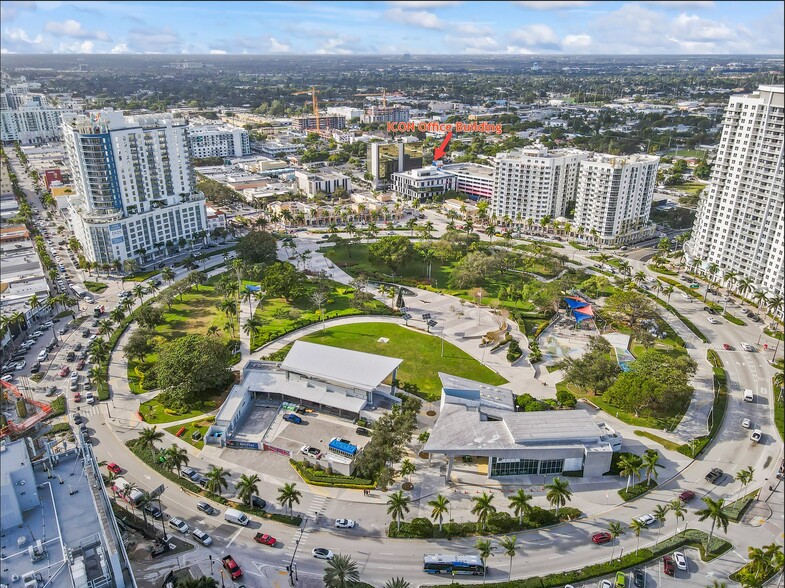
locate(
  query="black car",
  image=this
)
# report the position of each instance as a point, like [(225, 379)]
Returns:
[(362, 431), (258, 502), (715, 475), (36, 368), (709, 310), (78, 419), (153, 511), (206, 508), (71, 356), (713, 291), (638, 578), (96, 322), (78, 347)]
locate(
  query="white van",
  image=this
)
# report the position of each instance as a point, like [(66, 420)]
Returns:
[(749, 396), (235, 516)]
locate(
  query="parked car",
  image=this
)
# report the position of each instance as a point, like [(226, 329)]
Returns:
[(308, 450), (20, 365), (206, 508), (258, 502), (77, 397), (646, 519), (756, 435), (43, 355), (745, 423), (715, 475), (114, 468), (8, 378), (681, 560), (51, 391), (153, 511), (362, 431), (64, 371), (667, 566), (80, 364), (321, 553), (232, 567), (344, 524), (78, 419), (179, 524), (86, 333), (292, 418), (188, 473), (265, 539), (35, 368), (202, 537), (604, 584), (621, 580), (687, 495), (638, 577), (70, 356), (600, 538)]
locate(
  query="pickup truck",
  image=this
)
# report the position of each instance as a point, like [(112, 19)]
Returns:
[(231, 566)]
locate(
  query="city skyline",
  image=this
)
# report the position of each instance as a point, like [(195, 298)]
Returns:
[(394, 27)]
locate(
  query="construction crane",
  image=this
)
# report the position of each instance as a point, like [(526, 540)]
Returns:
[(313, 92), (383, 95)]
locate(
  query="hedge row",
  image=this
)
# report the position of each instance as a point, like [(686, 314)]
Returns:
[(733, 319), (58, 406), (637, 490), (497, 523), (322, 478), (59, 428), (690, 537)]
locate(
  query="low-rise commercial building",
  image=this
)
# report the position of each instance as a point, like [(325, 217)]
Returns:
[(480, 421), (472, 179), (385, 114), (423, 184), (308, 123), (325, 181)]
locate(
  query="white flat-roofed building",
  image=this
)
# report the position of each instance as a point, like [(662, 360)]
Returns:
[(472, 179), (739, 226), (276, 148), (613, 197), (28, 117), (218, 141), (534, 182), (423, 183), (384, 114), (480, 421), (345, 111), (325, 181)]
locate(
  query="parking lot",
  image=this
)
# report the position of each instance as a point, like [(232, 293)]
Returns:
[(316, 430)]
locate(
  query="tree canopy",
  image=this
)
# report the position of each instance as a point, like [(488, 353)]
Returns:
[(282, 279), (392, 251), (258, 247)]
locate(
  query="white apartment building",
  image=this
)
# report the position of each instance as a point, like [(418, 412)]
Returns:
[(739, 225), (472, 179), (383, 114), (422, 184), (218, 141), (534, 182), (29, 118), (613, 197), (325, 181), (347, 112), (135, 188)]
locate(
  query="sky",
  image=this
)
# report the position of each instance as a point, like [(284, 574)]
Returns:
[(419, 27)]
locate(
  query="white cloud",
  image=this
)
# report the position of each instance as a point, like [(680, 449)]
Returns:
[(540, 36), (278, 47), (76, 47), (217, 52), (21, 35), (120, 49), (417, 18), (73, 28), (16, 40), (473, 44), (520, 50), (548, 5), (576, 43), (424, 3), (470, 28), (333, 47), (697, 28)]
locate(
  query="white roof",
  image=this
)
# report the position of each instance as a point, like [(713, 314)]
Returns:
[(355, 369)]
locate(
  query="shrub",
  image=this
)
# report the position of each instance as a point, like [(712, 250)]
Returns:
[(312, 475), (21, 408), (58, 406), (514, 351), (566, 398), (636, 490)]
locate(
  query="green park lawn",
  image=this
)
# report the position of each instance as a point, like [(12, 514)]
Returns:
[(420, 352), (153, 412), (279, 317), (200, 425), (691, 187), (95, 287), (354, 261)]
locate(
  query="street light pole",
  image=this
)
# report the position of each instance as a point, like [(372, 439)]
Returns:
[(290, 567)]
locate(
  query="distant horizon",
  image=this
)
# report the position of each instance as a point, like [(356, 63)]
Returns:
[(394, 27), (185, 56)]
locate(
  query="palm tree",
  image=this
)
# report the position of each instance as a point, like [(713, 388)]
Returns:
[(760, 298), (678, 510), (397, 583), (629, 467), (615, 530), (146, 499), (482, 508), (138, 292), (650, 462), (341, 572), (668, 290), (759, 564), (486, 551), (660, 512), (519, 503), (745, 477), (216, 480), (440, 506), (408, 468), (639, 277), (636, 527), (175, 458), (558, 494), (247, 486), (397, 505), (715, 510), (167, 274), (288, 495), (509, 545), (490, 230), (252, 325), (149, 437)]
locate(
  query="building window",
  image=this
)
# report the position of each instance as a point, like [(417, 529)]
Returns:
[(551, 466), (521, 467)]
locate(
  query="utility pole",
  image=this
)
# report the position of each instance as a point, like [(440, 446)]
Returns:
[(291, 567)]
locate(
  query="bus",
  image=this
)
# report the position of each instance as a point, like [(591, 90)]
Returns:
[(134, 496), (452, 563)]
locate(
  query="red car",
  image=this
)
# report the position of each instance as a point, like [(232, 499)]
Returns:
[(234, 570), (265, 539), (687, 495), (80, 364), (668, 566), (64, 371), (114, 468), (77, 397), (600, 538), (727, 347)]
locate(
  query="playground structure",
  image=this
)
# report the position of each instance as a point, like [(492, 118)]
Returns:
[(15, 429)]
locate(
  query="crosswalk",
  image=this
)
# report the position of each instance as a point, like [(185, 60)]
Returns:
[(89, 410), (314, 511)]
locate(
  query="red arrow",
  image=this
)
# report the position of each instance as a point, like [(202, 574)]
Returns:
[(438, 153)]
